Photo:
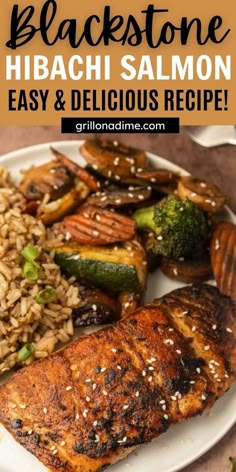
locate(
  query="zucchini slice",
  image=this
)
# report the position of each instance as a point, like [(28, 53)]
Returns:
[(113, 268)]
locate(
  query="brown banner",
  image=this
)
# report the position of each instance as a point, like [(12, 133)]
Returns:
[(118, 80)]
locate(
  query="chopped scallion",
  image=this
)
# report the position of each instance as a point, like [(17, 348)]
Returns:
[(45, 296), (25, 352), (30, 271), (30, 253)]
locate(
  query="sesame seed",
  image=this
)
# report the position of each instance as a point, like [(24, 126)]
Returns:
[(229, 330), (30, 432), (68, 236), (13, 405), (153, 180), (218, 380), (103, 369), (185, 313), (166, 417), (63, 443), (105, 393), (77, 416), (160, 238), (178, 351), (151, 368), (55, 452), (68, 388), (214, 327), (88, 399), (216, 376), (85, 413), (181, 259), (95, 423), (144, 373), (98, 217), (192, 382), (140, 197), (130, 195), (94, 166), (203, 397), (163, 407), (137, 394), (213, 204), (226, 375), (173, 398), (162, 402), (22, 407), (126, 305), (94, 386), (95, 233), (97, 438), (118, 201), (103, 199), (217, 245), (52, 448), (169, 341), (115, 143), (208, 201), (117, 177), (153, 359), (132, 170), (124, 439), (45, 411), (198, 370), (150, 379), (119, 367), (109, 173), (88, 380), (125, 407), (175, 271), (73, 367), (171, 329), (207, 348), (203, 185), (94, 307), (114, 350), (194, 329), (181, 209)]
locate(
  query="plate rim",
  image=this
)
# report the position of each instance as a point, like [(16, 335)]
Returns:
[(41, 147)]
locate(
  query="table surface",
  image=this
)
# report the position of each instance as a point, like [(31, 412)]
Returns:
[(216, 164)]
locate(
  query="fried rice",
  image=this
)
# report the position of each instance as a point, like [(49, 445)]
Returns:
[(22, 319)]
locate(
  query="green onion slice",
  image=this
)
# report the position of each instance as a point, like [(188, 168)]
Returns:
[(45, 296), (30, 253), (30, 271), (25, 352)]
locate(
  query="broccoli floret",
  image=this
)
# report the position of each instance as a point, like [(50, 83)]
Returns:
[(180, 227)]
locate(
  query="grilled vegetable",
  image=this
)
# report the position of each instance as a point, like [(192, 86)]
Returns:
[(129, 303), (149, 243), (223, 258), (95, 308), (233, 462), (31, 208), (189, 271), (99, 227), (77, 171), (156, 176), (120, 198), (206, 196), (113, 160), (180, 227), (110, 268), (55, 211), (52, 179)]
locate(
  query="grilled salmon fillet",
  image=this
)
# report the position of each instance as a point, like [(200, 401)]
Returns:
[(88, 405)]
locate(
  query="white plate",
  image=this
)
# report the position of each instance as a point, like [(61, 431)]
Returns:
[(182, 444)]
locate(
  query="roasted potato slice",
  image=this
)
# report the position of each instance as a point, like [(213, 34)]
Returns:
[(58, 209), (96, 226), (206, 196), (113, 160), (120, 198), (77, 171), (189, 271), (52, 179), (223, 258)]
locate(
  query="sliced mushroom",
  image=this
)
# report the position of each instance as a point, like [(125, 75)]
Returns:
[(77, 170), (58, 209), (223, 257), (95, 226), (206, 196), (156, 176), (113, 160), (120, 198), (52, 179), (95, 308), (191, 271)]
